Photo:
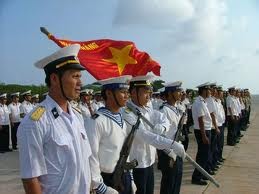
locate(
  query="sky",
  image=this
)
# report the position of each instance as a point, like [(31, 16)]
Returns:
[(194, 41)]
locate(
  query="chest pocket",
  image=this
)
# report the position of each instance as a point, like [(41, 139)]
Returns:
[(62, 140)]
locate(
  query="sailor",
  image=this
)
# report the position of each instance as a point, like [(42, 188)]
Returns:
[(172, 168), (202, 131), (107, 132), (26, 105), (4, 124), (221, 118), (183, 107), (215, 131), (232, 116), (14, 108), (86, 106), (35, 100), (144, 147), (53, 146)]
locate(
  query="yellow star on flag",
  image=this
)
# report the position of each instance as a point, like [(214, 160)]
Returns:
[(121, 57)]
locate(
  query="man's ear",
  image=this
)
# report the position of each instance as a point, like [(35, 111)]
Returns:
[(54, 79)]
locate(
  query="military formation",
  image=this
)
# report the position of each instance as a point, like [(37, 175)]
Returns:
[(74, 140)]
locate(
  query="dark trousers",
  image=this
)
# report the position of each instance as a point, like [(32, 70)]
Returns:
[(126, 181), (172, 178), (231, 140), (213, 149), (189, 119), (202, 155), (4, 138), (221, 142), (144, 180), (13, 136), (186, 137)]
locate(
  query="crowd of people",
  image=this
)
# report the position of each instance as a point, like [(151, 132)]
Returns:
[(71, 142)]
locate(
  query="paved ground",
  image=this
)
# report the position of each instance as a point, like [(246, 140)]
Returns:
[(239, 173)]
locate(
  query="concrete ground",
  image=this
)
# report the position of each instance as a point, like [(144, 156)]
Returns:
[(238, 174)]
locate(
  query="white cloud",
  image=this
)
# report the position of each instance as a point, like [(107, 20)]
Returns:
[(153, 13)]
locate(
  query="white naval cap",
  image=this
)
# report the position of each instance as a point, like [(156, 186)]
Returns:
[(173, 86), (116, 82), (4, 95), (63, 59), (86, 91), (26, 93), (232, 88), (97, 93), (142, 81), (15, 94), (35, 96), (205, 85), (213, 84)]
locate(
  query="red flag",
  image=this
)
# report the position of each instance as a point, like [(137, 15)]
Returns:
[(106, 58)]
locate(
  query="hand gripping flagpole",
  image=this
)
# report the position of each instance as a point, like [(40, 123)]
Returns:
[(135, 110)]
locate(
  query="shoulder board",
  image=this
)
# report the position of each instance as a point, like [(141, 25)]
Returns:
[(95, 116), (161, 107), (37, 113), (127, 110), (77, 110)]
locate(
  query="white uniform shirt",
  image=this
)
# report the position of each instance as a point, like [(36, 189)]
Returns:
[(173, 115), (238, 105), (187, 102), (212, 107), (182, 107), (14, 109), (157, 103), (143, 149), (232, 105), (4, 115), (199, 109), (221, 113), (56, 149), (242, 104), (26, 107), (106, 138)]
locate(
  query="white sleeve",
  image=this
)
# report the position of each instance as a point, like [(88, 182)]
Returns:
[(94, 135), (30, 140), (160, 118), (153, 139), (173, 124)]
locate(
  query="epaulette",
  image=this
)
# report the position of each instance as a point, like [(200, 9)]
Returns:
[(77, 109), (37, 113), (95, 116), (161, 107), (127, 110)]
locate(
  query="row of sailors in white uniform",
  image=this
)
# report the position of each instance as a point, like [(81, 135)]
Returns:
[(14, 109)]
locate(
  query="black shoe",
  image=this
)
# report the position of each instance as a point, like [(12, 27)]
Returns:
[(9, 150), (222, 160), (211, 172), (231, 144), (204, 178), (199, 182), (1, 152), (214, 169)]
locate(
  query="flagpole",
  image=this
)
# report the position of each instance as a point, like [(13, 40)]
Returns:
[(44, 31)]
